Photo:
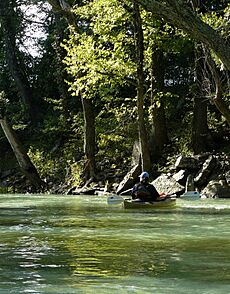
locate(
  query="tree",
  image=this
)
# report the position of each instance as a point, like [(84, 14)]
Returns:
[(179, 13), (159, 128), (98, 59), (139, 42), (200, 131), (206, 71), (10, 25), (27, 167), (102, 59), (65, 9), (218, 96)]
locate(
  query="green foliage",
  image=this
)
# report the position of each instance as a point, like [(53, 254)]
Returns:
[(180, 135), (168, 99), (99, 57), (3, 103), (115, 145), (47, 166), (75, 174), (220, 21), (101, 65)]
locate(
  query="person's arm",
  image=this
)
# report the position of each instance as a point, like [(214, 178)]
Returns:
[(155, 195)]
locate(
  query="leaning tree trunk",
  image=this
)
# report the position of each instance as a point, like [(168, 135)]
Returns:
[(181, 15), (218, 97), (23, 159), (159, 129), (144, 146)]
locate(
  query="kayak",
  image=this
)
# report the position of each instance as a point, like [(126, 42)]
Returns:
[(166, 203), (191, 195)]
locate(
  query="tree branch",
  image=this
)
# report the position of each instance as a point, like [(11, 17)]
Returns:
[(182, 16)]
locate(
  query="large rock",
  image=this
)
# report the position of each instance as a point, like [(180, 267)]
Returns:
[(227, 176), (181, 176), (129, 180), (168, 184), (208, 167), (217, 189), (189, 163)]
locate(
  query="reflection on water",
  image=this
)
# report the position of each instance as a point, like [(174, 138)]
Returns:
[(53, 244)]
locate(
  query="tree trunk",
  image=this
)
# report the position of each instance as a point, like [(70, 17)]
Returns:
[(159, 129), (200, 131), (178, 13), (65, 10), (144, 146), (89, 137), (63, 7), (60, 67), (16, 66), (23, 159), (218, 98)]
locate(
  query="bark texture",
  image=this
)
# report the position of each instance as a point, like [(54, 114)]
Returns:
[(200, 131), (159, 129)]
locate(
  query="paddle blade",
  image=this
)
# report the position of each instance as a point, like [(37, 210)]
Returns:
[(114, 199)]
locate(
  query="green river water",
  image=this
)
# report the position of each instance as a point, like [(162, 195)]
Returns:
[(80, 244)]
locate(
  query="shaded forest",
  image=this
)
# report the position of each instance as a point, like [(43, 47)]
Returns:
[(90, 88)]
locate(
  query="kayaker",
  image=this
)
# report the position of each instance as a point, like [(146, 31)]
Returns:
[(144, 191)]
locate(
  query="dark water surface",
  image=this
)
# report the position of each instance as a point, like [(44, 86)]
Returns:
[(53, 244)]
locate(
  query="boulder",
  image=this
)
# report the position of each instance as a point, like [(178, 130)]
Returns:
[(189, 163), (168, 185), (73, 191), (129, 180), (206, 171), (217, 189), (227, 176), (181, 176)]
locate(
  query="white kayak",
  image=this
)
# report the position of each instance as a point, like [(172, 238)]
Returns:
[(191, 195)]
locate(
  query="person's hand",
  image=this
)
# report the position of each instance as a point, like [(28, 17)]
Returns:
[(162, 194)]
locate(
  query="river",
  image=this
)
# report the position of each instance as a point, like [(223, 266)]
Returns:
[(80, 244)]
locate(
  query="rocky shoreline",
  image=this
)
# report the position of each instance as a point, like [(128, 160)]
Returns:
[(208, 174)]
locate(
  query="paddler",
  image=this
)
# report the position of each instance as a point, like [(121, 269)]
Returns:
[(144, 191)]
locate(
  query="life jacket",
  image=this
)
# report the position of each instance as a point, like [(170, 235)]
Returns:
[(142, 191)]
